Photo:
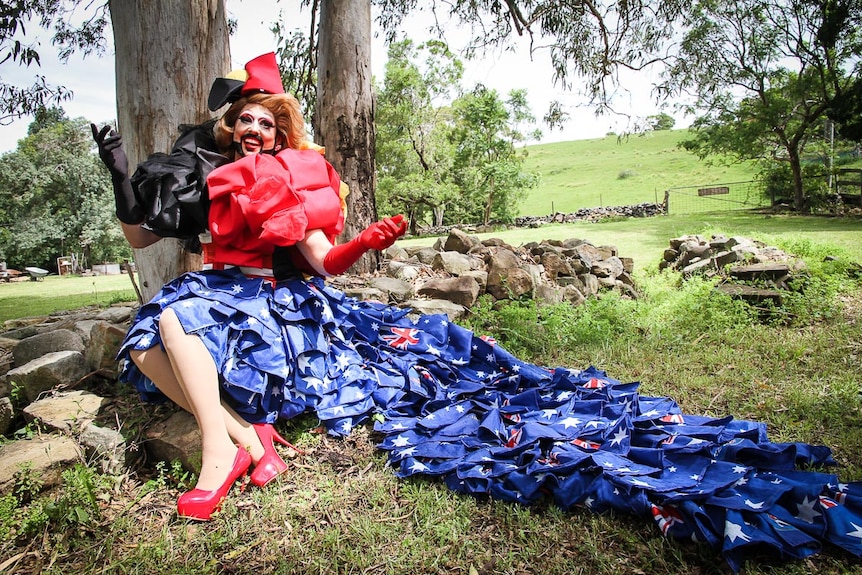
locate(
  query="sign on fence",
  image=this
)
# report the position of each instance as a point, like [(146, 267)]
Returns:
[(713, 191)]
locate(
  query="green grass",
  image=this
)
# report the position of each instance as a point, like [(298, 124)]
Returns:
[(56, 293), (342, 510), (611, 171)]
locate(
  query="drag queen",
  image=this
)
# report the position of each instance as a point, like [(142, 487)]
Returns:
[(262, 336)]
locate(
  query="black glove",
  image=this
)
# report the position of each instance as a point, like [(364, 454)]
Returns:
[(114, 157)]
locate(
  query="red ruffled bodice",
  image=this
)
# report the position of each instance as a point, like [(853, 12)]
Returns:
[(262, 201)]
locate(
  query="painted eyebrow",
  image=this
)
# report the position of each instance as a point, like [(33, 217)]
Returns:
[(263, 121)]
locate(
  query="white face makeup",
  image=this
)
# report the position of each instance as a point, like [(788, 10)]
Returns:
[(254, 131)]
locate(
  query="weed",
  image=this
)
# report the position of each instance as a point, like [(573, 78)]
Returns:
[(26, 483), (168, 475)]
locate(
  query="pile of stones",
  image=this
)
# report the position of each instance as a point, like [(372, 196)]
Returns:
[(451, 275), (748, 269), (644, 210)]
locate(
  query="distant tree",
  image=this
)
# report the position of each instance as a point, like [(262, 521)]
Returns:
[(762, 76), (487, 166), (414, 154), (149, 49), (556, 116), (845, 109), (57, 198), (296, 51), (661, 122)]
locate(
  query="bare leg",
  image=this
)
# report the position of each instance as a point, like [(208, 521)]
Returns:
[(197, 378), (154, 363)]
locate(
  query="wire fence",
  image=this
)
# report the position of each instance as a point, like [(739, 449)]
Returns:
[(715, 198), (844, 185)]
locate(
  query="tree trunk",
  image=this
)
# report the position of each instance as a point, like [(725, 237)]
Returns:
[(798, 184), (344, 121), (167, 54)]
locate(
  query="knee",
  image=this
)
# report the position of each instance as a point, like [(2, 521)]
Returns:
[(138, 357), (169, 324)]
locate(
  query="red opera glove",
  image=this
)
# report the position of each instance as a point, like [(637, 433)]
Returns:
[(378, 236)]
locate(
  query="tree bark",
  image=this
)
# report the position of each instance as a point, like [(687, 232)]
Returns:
[(344, 121), (167, 54), (798, 183)]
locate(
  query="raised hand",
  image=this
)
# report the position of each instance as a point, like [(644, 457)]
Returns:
[(111, 152), (380, 235)]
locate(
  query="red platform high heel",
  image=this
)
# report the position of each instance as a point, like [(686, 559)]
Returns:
[(270, 465), (200, 504)]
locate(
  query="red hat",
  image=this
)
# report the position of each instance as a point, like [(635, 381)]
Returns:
[(261, 76)]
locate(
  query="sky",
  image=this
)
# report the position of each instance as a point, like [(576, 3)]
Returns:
[(92, 79)]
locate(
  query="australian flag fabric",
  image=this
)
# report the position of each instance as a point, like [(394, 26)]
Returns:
[(454, 404)]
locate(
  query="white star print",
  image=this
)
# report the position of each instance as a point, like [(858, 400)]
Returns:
[(619, 437), (401, 441), (805, 510), (734, 531), (570, 422), (857, 531), (342, 360)]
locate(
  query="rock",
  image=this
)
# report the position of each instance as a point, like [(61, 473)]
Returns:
[(104, 341), (108, 446), (367, 294), (453, 263), (461, 290), (176, 439), (426, 255), (402, 271), (38, 345), (506, 279), (397, 290), (433, 306), (556, 266), (611, 267), (60, 368), (66, 412), (45, 457), (459, 241), (7, 415)]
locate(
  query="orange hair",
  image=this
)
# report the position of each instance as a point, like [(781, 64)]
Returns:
[(290, 126)]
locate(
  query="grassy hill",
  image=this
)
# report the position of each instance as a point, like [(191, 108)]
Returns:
[(614, 171)]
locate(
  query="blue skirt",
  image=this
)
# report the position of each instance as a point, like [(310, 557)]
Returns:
[(456, 405)]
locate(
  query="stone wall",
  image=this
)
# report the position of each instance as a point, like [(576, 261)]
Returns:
[(451, 275)]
